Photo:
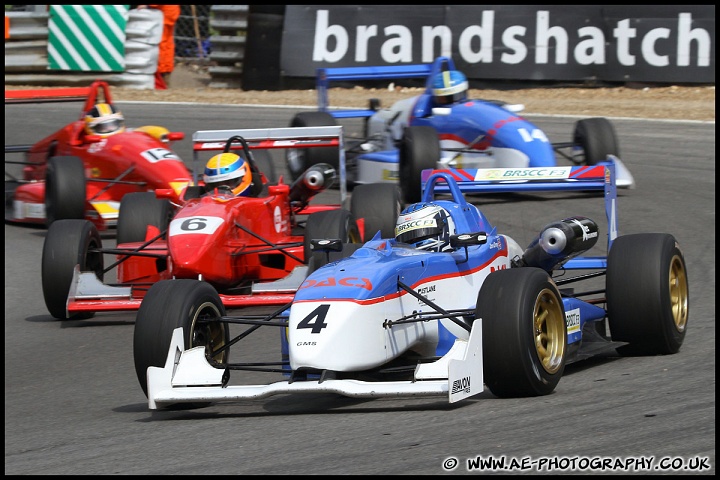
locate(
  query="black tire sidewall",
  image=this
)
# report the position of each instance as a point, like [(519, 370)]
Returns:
[(638, 293), (168, 304), (299, 160), (67, 244), (419, 150), (379, 206), (65, 189), (330, 224), (137, 211), (597, 138), (506, 304)]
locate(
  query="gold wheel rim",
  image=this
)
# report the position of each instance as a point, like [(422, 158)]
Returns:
[(549, 329), (678, 293), (210, 335)]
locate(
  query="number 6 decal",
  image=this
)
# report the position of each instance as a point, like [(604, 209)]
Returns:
[(195, 225)]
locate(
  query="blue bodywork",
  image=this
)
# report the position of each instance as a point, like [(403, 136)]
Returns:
[(376, 271)]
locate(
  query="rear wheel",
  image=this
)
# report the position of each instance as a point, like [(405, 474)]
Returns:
[(65, 189), (264, 162), (330, 224), (419, 150), (524, 332), (379, 205), (137, 211), (647, 293), (68, 243), (596, 138), (170, 304), (300, 159)]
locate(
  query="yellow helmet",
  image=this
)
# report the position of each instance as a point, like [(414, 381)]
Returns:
[(104, 120), (228, 170)]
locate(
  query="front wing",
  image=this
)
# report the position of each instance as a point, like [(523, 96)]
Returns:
[(187, 377)]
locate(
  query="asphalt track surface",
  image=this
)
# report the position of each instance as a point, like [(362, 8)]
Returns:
[(73, 404)]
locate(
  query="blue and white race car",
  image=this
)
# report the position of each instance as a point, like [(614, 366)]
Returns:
[(427, 131), (395, 319)]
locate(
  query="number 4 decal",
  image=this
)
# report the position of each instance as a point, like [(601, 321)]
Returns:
[(316, 319)]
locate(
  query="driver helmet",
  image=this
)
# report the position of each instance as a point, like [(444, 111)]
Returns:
[(104, 119), (426, 225), (230, 171), (449, 87)]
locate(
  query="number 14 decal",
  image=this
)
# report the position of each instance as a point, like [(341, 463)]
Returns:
[(536, 134), (316, 319)]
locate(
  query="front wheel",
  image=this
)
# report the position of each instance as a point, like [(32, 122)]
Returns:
[(596, 138), (68, 243), (137, 211), (419, 150), (170, 304), (298, 160), (647, 293), (379, 206), (330, 224), (65, 189), (524, 332)]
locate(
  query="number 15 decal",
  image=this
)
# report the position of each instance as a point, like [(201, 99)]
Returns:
[(316, 319)]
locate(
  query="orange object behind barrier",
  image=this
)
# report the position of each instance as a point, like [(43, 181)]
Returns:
[(7, 27)]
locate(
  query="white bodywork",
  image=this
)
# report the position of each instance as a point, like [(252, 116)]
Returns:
[(188, 377)]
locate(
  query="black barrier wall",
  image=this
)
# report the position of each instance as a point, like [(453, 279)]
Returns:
[(651, 44)]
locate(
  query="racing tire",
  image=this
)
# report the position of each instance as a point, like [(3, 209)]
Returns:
[(170, 304), (298, 160), (379, 206), (137, 211), (68, 243), (330, 224), (597, 139), (524, 332), (419, 150), (264, 162), (65, 189), (648, 297)]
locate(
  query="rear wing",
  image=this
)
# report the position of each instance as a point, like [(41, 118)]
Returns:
[(600, 177), (47, 95), (274, 138), (327, 75), (98, 91)]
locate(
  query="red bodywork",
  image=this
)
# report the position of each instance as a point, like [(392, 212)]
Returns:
[(135, 160), (230, 242)]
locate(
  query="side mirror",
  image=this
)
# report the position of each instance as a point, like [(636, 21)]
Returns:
[(465, 240), (326, 245), (468, 239)]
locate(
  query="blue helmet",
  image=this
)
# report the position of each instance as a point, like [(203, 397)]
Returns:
[(449, 87), (425, 225), (230, 171)]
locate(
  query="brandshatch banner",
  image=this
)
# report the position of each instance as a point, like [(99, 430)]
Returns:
[(658, 43)]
